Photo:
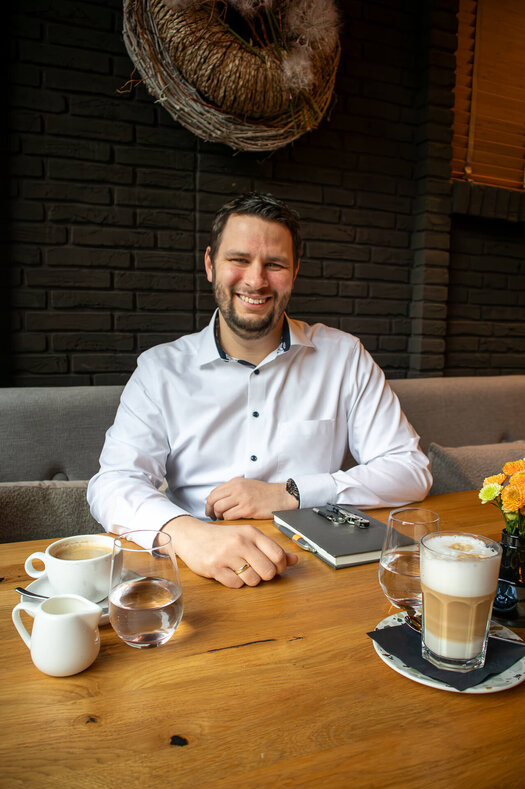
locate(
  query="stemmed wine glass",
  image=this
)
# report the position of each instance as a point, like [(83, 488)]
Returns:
[(399, 562), (145, 598)]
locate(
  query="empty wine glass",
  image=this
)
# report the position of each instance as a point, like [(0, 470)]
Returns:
[(145, 598), (399, 562)]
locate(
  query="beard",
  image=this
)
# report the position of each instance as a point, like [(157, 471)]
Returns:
[(249, 326)]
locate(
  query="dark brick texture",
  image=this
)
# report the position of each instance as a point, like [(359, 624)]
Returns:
[(110, 203), (485, 325)]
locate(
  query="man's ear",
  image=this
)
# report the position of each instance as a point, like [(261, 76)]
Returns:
[(208, 265), (296, 270)]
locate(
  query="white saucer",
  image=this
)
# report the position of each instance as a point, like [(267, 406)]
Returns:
[(493, 684), (42, 586)]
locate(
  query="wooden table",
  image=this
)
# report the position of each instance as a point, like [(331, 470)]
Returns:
[(276, 685)]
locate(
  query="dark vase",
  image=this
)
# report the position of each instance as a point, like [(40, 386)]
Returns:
[(509, 604)]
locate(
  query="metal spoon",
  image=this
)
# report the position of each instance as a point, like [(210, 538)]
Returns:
[(30, 593), (413, 620)]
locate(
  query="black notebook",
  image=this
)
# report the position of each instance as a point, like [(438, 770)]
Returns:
[(339, 545)]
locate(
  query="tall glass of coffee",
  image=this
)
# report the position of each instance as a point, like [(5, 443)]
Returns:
[(459, 576)]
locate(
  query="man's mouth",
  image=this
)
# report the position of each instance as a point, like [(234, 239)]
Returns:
[(252, 299)]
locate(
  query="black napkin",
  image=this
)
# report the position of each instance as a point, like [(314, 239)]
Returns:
[(405, 643)]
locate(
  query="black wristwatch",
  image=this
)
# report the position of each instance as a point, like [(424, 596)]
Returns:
[(293, 490)]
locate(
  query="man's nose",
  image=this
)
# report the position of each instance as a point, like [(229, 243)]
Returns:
[(256, 276)]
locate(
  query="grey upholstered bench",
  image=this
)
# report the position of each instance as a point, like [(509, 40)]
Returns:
[(50, 442)]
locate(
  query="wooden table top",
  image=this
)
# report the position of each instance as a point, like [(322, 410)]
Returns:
[(273, 685)]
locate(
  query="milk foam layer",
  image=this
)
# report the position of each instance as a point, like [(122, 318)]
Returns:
[(459, 564)]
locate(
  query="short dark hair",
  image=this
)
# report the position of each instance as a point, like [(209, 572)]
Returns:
[(265, 206)]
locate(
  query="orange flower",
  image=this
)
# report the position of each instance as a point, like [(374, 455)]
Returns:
[(513, 497), (499, 479), (513, 467), (517, 478)]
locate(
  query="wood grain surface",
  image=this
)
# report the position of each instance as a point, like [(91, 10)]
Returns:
[(276, 685)]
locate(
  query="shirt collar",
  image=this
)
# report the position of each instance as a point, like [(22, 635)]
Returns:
[(210, 349), (207, 350), (298, 335)]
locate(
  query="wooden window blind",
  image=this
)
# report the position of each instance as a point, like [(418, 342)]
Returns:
[(489, 110)]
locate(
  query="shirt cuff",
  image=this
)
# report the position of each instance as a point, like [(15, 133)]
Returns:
[(151, 517), (315, 489)]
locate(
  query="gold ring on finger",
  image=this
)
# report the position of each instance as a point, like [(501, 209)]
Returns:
[(242, 569)]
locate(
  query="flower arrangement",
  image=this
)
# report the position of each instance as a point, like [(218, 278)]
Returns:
[(507, 492)]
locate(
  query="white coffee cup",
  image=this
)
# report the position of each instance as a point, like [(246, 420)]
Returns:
[(65, 638), (76, 565)]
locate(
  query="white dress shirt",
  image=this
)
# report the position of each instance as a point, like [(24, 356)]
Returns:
[(193, 417)]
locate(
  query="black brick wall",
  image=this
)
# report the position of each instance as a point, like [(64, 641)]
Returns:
[(486, 303), (111, 200)]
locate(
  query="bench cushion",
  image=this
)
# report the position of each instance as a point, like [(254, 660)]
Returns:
[(35, 510), (54, 433), (464, 468)]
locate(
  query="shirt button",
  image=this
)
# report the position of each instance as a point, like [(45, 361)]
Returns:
[(253, 457), (256, 372), (255, 413)]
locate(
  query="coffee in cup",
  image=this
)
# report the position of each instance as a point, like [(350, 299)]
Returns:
[(76, 565), (459, 576), (83, 549)]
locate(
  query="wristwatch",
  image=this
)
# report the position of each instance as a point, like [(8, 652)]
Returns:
[(293, 490)]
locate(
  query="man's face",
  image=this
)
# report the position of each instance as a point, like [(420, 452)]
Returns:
[(252, 274)]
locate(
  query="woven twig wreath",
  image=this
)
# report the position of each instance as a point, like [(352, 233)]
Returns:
[(226, 89)]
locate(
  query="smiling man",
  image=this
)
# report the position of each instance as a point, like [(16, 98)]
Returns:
[(252, 272), (255, 413)]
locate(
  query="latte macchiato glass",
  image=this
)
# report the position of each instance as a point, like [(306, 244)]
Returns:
[(459, 576)]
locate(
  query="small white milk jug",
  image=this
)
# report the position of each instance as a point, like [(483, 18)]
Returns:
[(65, 638)]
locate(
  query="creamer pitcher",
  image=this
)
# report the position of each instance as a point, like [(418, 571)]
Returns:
[(65, 638)]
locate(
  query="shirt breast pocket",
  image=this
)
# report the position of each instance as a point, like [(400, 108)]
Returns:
[(305, 447)]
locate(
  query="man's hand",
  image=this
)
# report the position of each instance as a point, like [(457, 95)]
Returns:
[(218, 550), (248, 498)]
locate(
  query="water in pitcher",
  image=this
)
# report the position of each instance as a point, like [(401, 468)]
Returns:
[(399, 577), (145, 612)]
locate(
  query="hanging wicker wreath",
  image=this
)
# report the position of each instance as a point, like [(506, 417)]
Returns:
[(254, 74)]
